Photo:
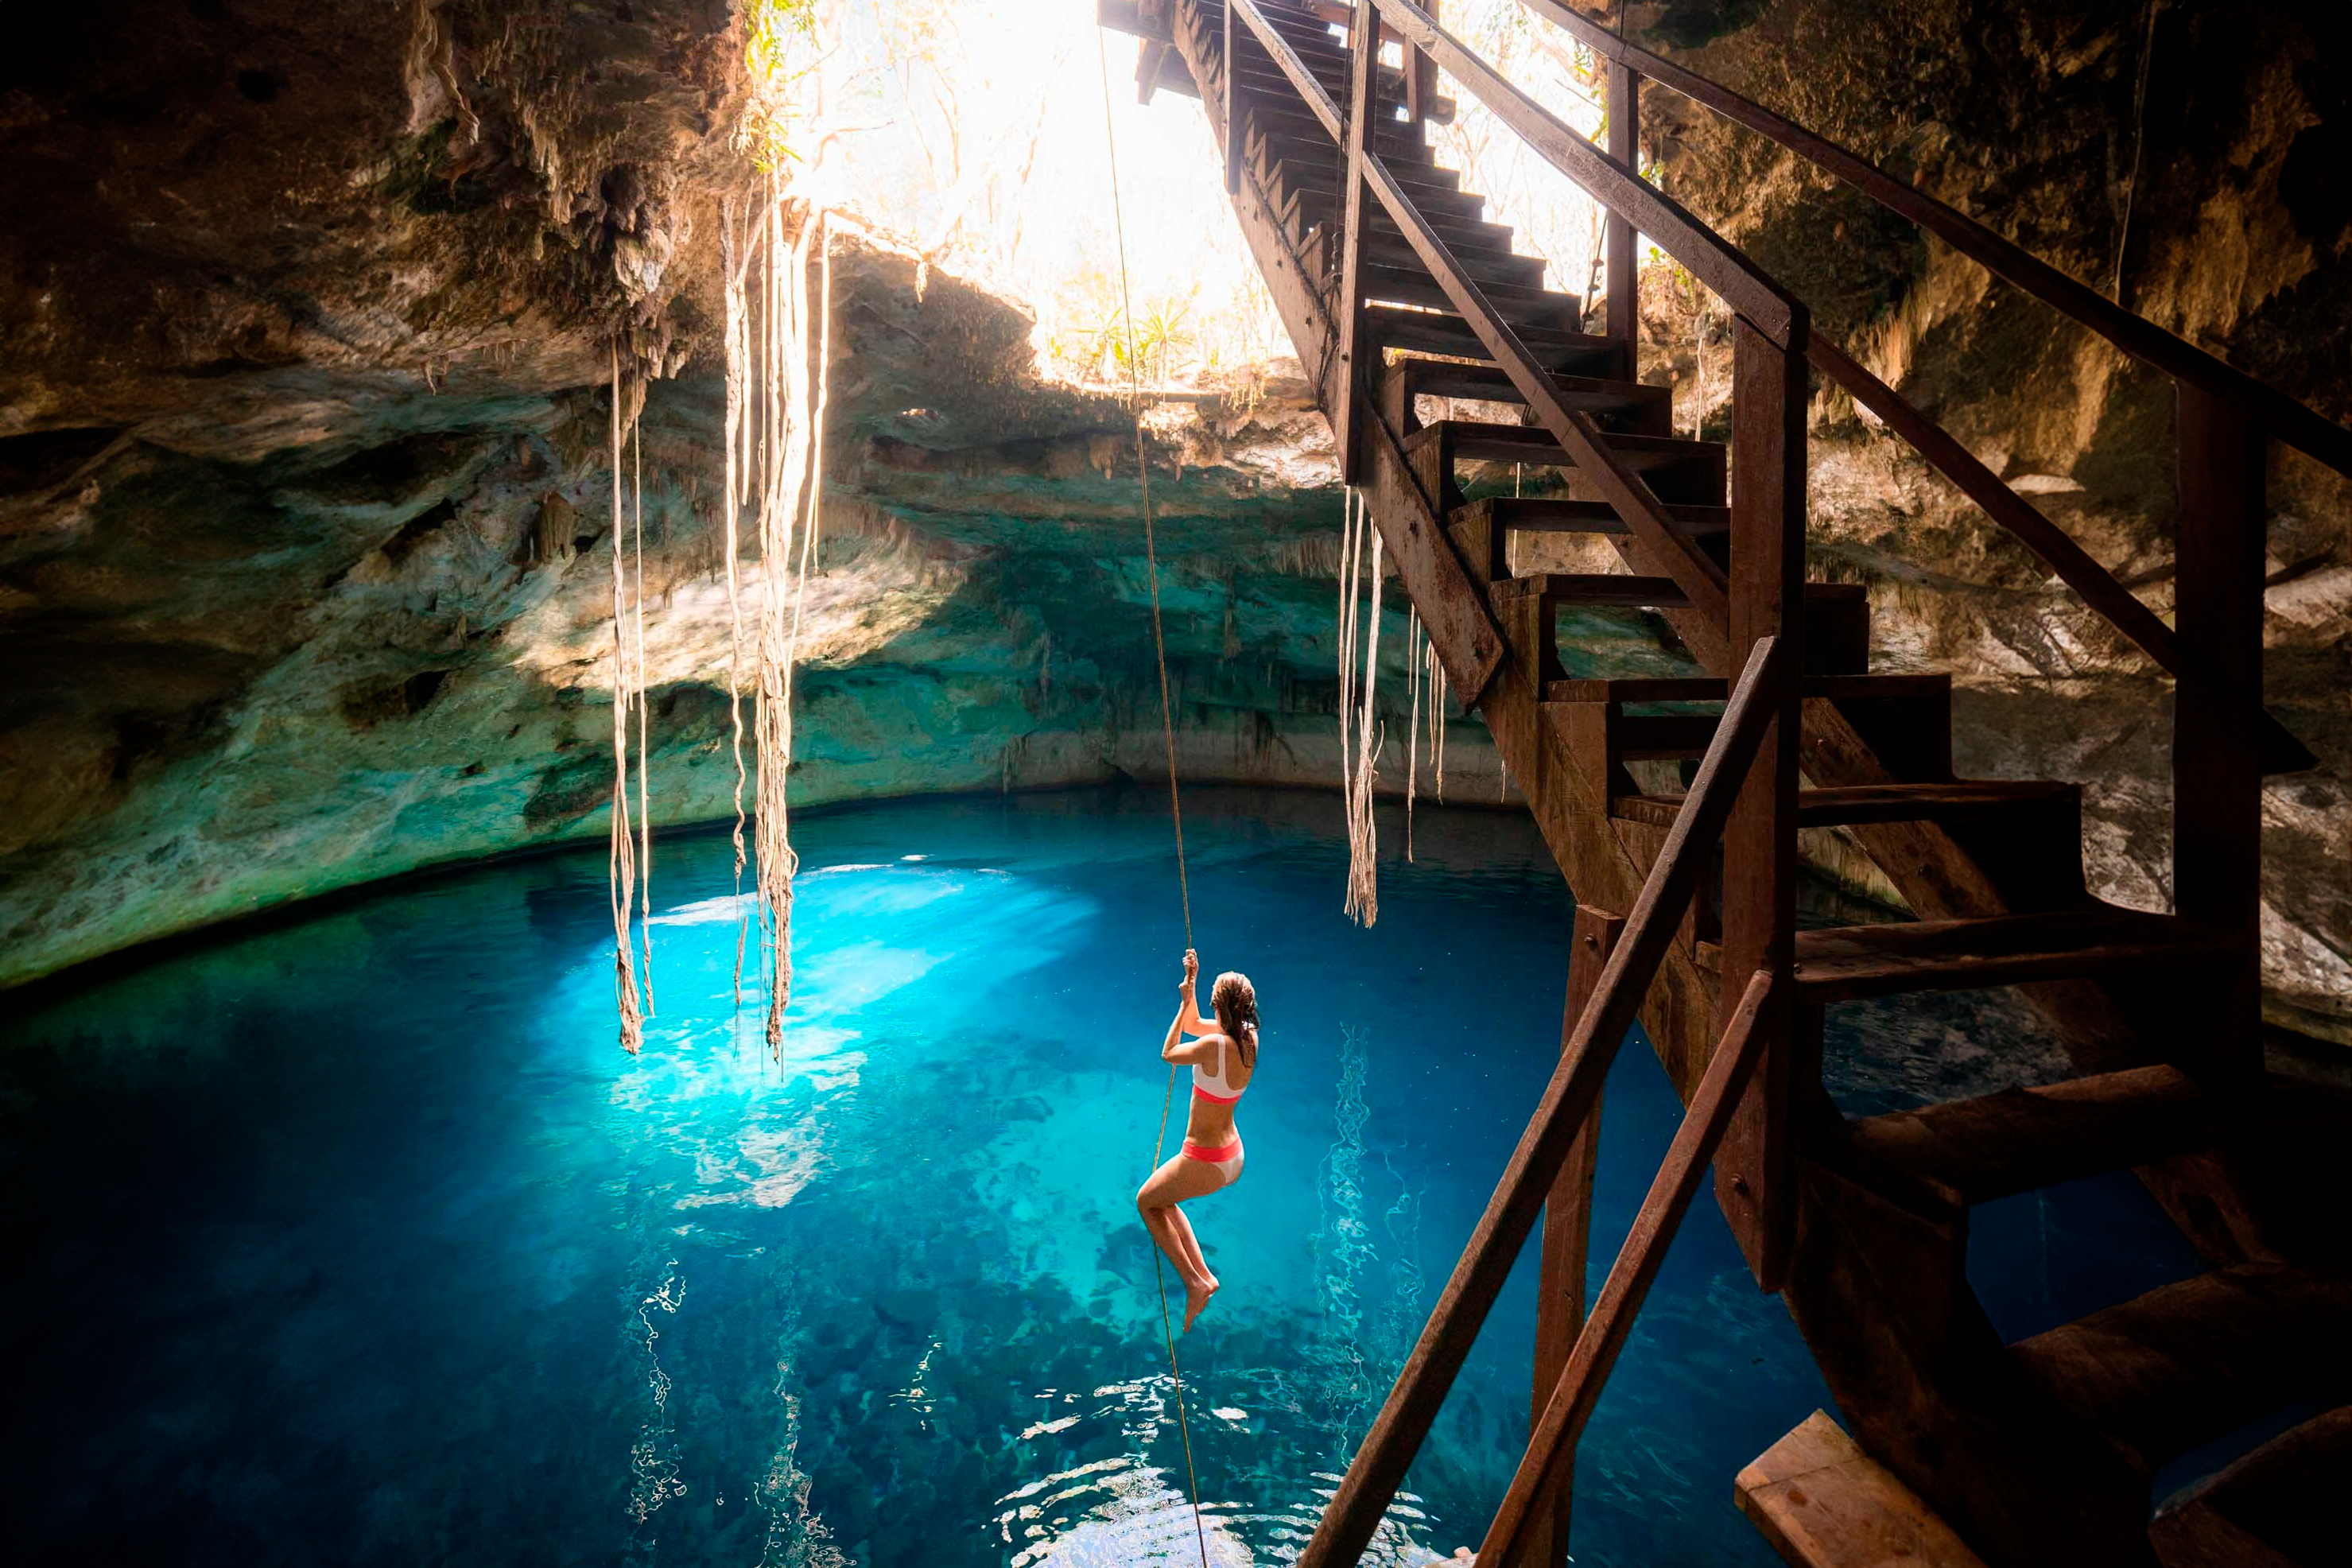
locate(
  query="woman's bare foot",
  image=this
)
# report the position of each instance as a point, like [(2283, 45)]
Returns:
[(1196, 1296)]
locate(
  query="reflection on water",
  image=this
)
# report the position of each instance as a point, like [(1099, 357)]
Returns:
[(358, 1240)]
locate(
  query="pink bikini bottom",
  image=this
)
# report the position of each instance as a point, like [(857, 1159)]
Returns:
[(1227, 1160)]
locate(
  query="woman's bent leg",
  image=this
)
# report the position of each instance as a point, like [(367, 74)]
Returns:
[(1174, 1182), (1182, 1226)]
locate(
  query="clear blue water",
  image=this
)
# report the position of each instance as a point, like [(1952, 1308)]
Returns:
[(358, 1239)]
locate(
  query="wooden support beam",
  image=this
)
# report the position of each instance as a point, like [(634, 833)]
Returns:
[(1355, 377), (2217, 784), (1364, 1493), (1579, 1388), (1756, 1184), (1233, 106), (1149, 62), (1420, 81), (1566, 1228), (1621, 276)]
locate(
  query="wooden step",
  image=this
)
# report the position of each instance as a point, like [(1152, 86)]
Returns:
[(1463, 233), (2021, 1140), (1679, 472), (1306, 181), (1492, 384), (1411, 285), (2184, 1364), (1843, 963), (1556, 514), (1478, 241), (1533, 446), (1395, 141), (1484, 251), (1434, 333), (1712, 689), (1317, 154), (1596, 588), (2280, 1506), (1638, 689), (1964, 800), (1823, 1503)]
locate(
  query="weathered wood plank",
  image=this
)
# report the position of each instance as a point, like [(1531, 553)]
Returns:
[(1756, 1179), (1824, 1503), (2021, 1140), (1566, 1228), (1355, 347), (1624, 311), (1595, 588), (2217, 786), (2186, 1363), (1844, 964), (1846, 806)]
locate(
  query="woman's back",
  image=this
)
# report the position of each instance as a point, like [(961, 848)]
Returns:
[(1217, 1093)]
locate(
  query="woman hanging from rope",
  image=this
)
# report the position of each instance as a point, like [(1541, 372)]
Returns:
[(1223, 1056)]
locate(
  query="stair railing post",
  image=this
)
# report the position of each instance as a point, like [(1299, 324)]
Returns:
[(1421, 77), (1567, 1229), (1624, 321), (1363, 95), (2217, 784), (1755, 1172)]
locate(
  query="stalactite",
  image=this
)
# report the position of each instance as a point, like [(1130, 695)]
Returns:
[(623, 867)]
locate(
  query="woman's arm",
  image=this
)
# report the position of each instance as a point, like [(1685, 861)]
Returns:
[(1200, 1051), (1190, 1019), (1187, 1019)]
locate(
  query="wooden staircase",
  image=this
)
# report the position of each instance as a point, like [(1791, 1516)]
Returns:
[(1399, 297)]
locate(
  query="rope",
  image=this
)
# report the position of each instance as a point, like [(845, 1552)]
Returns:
[(1168, 730)]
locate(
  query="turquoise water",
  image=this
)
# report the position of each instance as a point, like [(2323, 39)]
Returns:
[(359, 1240)]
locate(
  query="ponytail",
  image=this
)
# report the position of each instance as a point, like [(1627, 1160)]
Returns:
[(1235, 1000)]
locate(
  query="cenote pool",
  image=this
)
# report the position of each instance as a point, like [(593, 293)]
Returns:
[(357, 1239)]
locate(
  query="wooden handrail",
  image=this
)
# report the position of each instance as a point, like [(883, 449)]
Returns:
[(1364, 1493), (1710, 257), (1698, 576), (1291, 67), (2280, 752), (1696, 1140), (2143, 340)]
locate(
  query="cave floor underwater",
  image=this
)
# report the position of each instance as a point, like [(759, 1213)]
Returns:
[(358, 1239)]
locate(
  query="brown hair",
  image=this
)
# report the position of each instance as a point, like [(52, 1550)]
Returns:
[(1235, 1001)]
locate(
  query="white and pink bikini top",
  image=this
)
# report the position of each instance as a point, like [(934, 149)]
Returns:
[(1213, 1086)]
